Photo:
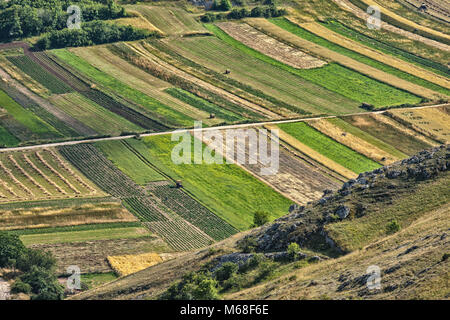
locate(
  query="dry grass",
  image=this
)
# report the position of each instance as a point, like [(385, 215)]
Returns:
[(313, 154), (137, 21), (279, 33), (402, 65), (128, 264), (353, 142), (270, 46), (431, 122)]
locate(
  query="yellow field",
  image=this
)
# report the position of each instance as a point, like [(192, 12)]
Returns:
[(128, 264), (277, 32), (313, 154), (137, 21), (352, 141), (407, 22), (431, 122), (402, 65)]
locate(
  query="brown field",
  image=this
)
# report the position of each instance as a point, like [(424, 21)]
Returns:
[(91, 256), (353, 142), (316, 156), (277, 32), (431, 122), (49, 216), (128, 264), (41, 175), (137, 20), (397, 63), (296, 179), (270, 46)]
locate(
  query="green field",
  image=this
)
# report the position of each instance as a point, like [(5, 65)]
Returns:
[(203, 104), (27, 118), (93, 280), (39, 74), (173, 117), (273, 81), (7, 139), (334, 77), (91, 114), (226, 189), (86, 235), (329, 148), (367, 137), (128, 162), (297, 30)]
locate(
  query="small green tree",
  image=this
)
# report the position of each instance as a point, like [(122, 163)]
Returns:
[(260, 218), (226, 271), (293, 250), (393, 227), (10, 249)]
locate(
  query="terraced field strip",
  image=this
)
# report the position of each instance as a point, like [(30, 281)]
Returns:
[(39, 128), (170, 20), (295, 178), (436, 8), (290, 140), (85, 235), (7, 139), (88, 89), (149, 106), (276, 82), (270, 46), (37, 217), (106, 61), (35, 71), (140, 55), (357, 11), (329, 148), (96, 117), (37, 175), (353, 142), (392, 48), (226, 189), (399, 64), (433, 123), (128, 162), (128, 264), (136, 20), (349, 129), (155, 215), (391, 132), (379, 80), (403, 23)]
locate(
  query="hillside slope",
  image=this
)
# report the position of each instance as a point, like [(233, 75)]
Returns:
[(345, 232)]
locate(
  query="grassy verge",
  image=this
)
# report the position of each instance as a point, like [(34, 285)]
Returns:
[(328, 147), (334, 77)]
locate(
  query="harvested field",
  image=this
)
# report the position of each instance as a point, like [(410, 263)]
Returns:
[(136, 20), (391, 132), (431, 122), (91, 256), (218, 56), (270, 46), (96, 117), (295, 178), (329, 148), (41, 215), (42, 174), (442, 83), (128, 264), (436, 8), (353, 142), (85, 235), (170, 20)]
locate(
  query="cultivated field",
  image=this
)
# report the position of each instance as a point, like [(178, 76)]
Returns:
[(270, 46), (128, 264)]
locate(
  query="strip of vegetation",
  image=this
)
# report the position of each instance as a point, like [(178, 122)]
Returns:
[(25, 18), (91, 33), (334, 77), (203, 104), (386, 47), (305, 34), (333, 150), (7, 139), (256, 12)]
